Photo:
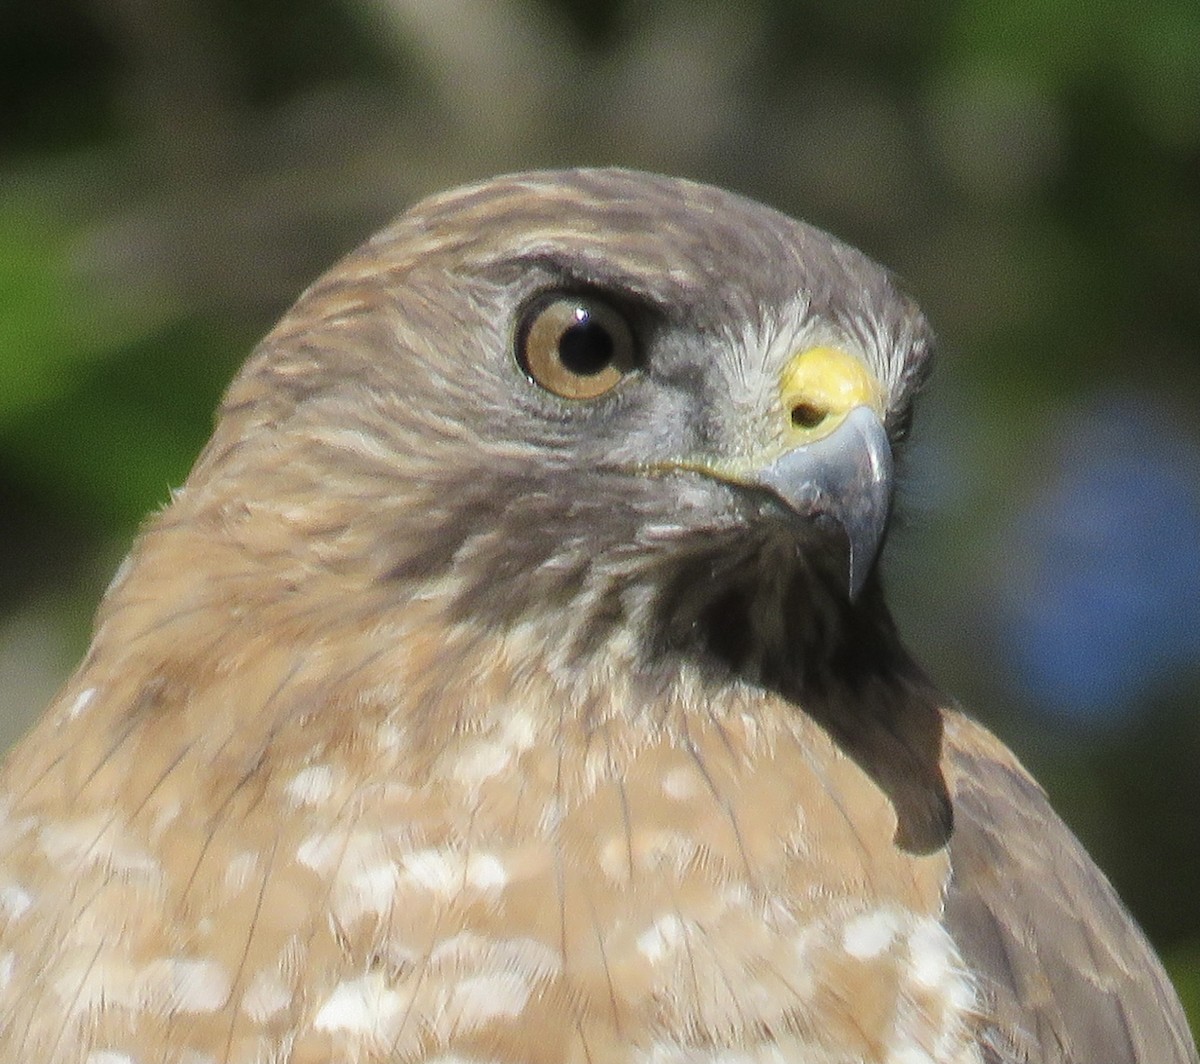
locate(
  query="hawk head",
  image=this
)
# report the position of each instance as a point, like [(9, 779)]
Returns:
[(623, 404)]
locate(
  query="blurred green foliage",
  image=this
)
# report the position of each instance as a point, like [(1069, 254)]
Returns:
[(172, 172)]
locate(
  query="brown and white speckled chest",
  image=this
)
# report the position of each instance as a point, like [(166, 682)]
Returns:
[(536, 880)]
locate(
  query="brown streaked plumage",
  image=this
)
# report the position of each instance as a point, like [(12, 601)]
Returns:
[(481, 704)]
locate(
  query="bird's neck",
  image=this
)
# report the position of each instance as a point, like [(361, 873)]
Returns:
[(207, 650)]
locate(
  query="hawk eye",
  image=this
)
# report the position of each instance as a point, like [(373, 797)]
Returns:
[(577, 347)]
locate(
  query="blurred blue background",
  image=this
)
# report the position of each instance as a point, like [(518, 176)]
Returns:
[(173, 172)]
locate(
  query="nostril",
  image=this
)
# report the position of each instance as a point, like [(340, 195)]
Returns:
[(808, 415)]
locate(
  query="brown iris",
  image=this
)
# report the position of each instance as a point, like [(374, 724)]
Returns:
[(577, 347)]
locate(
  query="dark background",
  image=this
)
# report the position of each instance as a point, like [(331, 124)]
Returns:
[(173, 172)]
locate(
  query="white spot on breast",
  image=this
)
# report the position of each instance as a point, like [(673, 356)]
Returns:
[(468, 951), (446, 872), (661, 937), (196, 986), (266, 996), (389, 738), (15, 900), (320, 852), (240, 871), (481, 762), (97, 842), (479, 999), (167, 985), (936, 965), (366, 1007), (493, 755), (8, 964), (681, 784), (84, 988), (343, 853), (932, 954), (869, 934), (370, 891), (312, 785)]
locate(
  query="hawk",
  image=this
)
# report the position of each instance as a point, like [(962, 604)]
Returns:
[(511, 682)]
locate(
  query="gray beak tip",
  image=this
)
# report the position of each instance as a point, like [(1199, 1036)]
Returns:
[(847, 475)]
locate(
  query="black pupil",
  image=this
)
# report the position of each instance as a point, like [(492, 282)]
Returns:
[(586, 347)]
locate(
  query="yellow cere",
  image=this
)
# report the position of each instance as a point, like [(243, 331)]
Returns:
[(821, 385)]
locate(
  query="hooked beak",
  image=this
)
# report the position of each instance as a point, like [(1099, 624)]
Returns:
[(831, 456), (846, 475), (837, 460)]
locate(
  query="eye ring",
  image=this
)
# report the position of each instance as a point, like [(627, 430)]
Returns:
[(575, 346)]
